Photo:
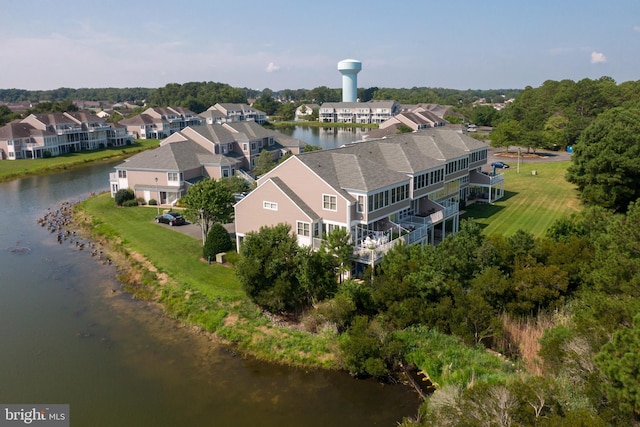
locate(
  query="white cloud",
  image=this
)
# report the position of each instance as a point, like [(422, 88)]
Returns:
[(272, 67), (598, 58)]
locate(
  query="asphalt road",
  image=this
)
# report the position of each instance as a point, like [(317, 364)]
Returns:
[(511, 157)]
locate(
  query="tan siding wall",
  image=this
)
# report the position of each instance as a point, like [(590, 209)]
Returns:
[(213, 171), (310, 188), (147, 178), (252, 215)]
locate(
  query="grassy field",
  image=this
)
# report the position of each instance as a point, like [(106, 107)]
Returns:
[(531, 203), (13, 169), (191, 290)]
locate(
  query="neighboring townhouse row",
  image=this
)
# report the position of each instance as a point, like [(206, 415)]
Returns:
[(158, 123), (358, 112), (403, 188), (40, 135), (198, 152), (415, 120), (228, 113)]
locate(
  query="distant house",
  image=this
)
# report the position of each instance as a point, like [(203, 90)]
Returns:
[(305, 110), (405, 188), (229, 113), (358, 112), (158, 123), (417, 120), (198, 152), (58, 133)]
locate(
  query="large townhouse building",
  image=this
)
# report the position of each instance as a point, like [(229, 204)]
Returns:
[(229, 113), (158, 123), (406, 188), (358, 112), (198, 152), (39, 135)]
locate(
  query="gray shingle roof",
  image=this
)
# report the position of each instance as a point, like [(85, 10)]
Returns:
[(380, 163), (177, 156)]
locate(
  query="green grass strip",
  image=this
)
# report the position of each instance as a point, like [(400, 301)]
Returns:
[(531, 203)]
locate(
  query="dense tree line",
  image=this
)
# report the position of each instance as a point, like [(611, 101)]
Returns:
[(196, 96), (556, 113), (112, 95)]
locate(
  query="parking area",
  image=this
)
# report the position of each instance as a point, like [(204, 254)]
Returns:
[(195, 231)]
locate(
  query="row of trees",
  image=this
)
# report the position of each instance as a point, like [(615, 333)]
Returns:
[(112, 95), (556, 113)]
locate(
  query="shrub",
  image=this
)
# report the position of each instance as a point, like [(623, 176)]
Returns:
[(153, 202), (217, 241), (130, 203), (46, 154), (123, 195), (141, 201)]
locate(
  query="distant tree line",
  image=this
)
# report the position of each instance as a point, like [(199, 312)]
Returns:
[(556, 113), (199, 96)]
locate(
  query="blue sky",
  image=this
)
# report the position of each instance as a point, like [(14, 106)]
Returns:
[(457, 44)]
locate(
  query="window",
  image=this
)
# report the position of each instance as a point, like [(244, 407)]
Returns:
[(360, 204), (225, 173), (272, 206), (329, 202), (172, 176), (122, 174), (304, 228)]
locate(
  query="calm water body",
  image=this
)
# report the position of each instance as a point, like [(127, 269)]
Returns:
[(325, 137), (68, 335)]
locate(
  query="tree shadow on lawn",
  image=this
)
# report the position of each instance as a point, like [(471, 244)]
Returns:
[(486, 210)]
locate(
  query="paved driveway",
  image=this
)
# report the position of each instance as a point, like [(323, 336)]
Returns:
[(195, 231)]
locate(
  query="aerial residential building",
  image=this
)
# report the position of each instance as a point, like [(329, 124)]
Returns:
[(158, 123), (407, 188), (198, 152), (229, 113), (41, 135), (358, 112)]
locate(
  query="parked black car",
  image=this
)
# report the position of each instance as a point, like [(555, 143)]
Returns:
[(500, 165), (171, 218)]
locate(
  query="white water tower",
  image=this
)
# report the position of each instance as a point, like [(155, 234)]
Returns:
[(349, 68)]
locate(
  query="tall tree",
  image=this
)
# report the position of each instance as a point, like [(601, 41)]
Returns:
[(605, 161), (338, 245), (506, 134), (619, 360), (263, 163), (209, 201)]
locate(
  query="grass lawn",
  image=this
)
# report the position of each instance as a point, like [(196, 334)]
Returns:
[(172, 252), (13, 169), (531, 203)]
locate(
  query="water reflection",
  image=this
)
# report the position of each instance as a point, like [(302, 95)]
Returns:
[(326, 137), (70, 335)]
